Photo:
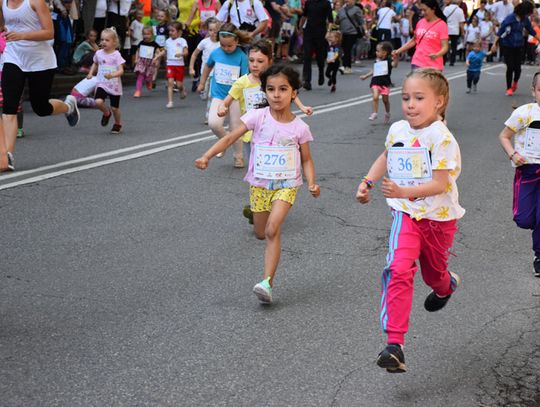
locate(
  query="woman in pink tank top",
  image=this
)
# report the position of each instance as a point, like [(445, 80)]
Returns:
[(207, 9)]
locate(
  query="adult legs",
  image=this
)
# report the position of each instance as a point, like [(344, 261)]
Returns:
[(309, 46), (321, 51), (347, 43)]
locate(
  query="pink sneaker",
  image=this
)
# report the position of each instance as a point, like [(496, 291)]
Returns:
[(372, 116)]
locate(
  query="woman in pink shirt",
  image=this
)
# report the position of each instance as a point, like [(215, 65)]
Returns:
[(430, 38)]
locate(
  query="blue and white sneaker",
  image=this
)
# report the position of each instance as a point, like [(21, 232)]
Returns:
[(263, 291), (72, 115)]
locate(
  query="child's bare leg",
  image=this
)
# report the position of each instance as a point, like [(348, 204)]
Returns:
[(386, 101), (181, 89), (117, 116), (280, 209), (375, 100), (100, 104), (259, 224), (170, 85)]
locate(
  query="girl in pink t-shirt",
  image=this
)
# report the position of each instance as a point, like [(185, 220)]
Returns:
[(280, 151), (430, 38)]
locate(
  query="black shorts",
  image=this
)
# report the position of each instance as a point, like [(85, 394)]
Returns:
[(102, 94)]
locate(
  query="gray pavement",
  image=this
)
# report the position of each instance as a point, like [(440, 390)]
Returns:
[(127, 281)]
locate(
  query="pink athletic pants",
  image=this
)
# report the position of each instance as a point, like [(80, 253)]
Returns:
[(410, 240)]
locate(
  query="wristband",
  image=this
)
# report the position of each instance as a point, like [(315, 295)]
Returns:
[(369, 183), (512, 155)]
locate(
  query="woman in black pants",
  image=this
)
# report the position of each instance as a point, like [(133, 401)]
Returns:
[(352, 26), (28, 56), (510, 37)]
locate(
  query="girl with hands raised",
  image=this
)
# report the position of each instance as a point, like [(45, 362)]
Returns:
[(280, 151)]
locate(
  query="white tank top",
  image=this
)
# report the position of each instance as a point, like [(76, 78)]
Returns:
[(29, 56)]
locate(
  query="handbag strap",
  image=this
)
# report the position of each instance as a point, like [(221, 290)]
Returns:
[(425, 32), (351, 20)]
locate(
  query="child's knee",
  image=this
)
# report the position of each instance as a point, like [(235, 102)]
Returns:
[(271, 231), (115, 109)]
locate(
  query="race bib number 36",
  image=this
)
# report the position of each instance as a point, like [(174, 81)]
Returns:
[(226, 74), (532, 143), (409, 167), (275, 162)]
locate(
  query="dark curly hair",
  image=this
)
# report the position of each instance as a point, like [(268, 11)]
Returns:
[(292, 75)]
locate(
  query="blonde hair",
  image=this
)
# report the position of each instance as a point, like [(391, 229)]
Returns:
[(438, 83), (112, 31)]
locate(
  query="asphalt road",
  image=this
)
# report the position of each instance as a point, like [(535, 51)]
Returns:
[(126, 273)]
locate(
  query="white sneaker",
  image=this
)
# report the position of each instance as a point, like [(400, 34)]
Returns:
[(372, 116), (170, 105), (72, 115), (386, 118)]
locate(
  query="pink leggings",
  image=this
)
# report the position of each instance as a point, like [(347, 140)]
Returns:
[(142, 78), (83, 101), (429, 242)]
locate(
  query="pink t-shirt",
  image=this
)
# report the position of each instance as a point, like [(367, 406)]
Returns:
[(428, 41), (108, 63), (269, 132)]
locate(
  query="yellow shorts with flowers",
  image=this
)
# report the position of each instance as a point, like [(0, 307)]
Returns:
[(261, 199)]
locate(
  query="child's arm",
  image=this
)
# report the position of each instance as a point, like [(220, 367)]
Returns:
[(159, 53), (410, 44), (368, 75), (92, 71), (204, 77), (505, 139), (192, 61), (220, 146), (305, 109), (434, 187), (309, 169), (375, 173), (136, 56), (223, 107), (185, 53)]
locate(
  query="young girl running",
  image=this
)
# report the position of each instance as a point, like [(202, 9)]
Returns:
[(229, 62), (333, 59), (381, 81), (280, 149), (206, 46), (423, 162), (176, 48), (109, 65), (146, 61), (524, 127)]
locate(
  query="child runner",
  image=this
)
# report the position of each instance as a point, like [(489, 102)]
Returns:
[(161, 31), (381, 81), (136, 35), (524, 126), (206, 46), (277, 132), (423, 162), (84, 91), (472, 34), (109, 66), (333, 58), (229, 62), (474, 62), (146, 61), (176, 48)]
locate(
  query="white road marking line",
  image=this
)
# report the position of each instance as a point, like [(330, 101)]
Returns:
[(329, 107)]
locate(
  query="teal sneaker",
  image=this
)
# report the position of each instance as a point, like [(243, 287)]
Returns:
[(248, 214), (20, 133), (263, 291)]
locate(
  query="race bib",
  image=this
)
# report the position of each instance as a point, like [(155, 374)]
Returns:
[(330, 56), (174, 52), (104, 70), (275, 162), (206, 14), (409, 167), (532, 143), (146, 52), (226, 74), (160, 40), (253, 97), (380, 68)]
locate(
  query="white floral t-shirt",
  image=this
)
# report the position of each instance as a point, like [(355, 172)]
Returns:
[(444, 154), (518, 122)]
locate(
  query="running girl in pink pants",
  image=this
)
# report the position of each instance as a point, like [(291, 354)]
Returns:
[(423, 161)]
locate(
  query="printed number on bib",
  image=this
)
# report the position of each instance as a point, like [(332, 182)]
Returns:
[(532, 142), (226, 74), (409, 167), (380, 68), (206, 14), (146, 52), (275, 162), (253, 97)]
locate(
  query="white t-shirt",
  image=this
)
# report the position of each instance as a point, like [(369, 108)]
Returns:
[(173, 48), (247, 14), (454, 16), (500, 10), (206, 46), (485, 27), (518, 122), (444, 154), (87, 87), (125, 5), (385, 16), (101, 9), (136, 32), (472, 33)]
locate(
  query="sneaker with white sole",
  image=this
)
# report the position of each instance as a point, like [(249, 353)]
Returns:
[(170, 105), (263, 291), (11, 162), (435, 303), (72, 115), (536, 266), (372, 116), (392, 359), (238, 163)]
